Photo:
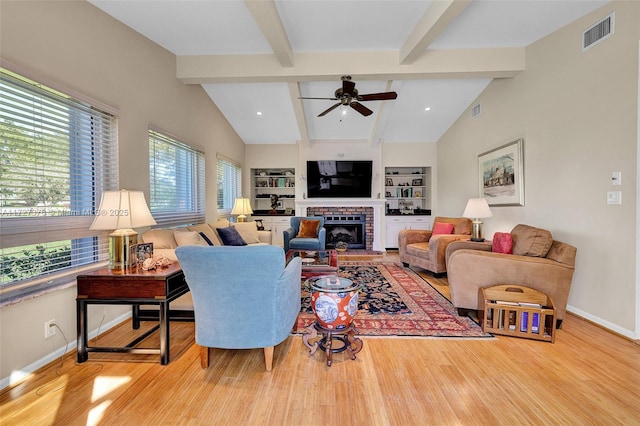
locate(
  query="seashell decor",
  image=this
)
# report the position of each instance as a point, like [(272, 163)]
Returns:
[(149, 264)]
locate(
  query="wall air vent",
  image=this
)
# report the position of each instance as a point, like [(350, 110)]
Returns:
[(475, 110), (599, 32)]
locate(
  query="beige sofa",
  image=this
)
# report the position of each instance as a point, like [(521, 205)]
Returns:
[(538, 261), (165, 241)]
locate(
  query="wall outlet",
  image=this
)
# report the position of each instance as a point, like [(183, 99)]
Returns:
[(49, 328)]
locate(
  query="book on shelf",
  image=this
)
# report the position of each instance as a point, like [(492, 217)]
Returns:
[(532, 305), (506, 302), (535, 323), (512, 320)]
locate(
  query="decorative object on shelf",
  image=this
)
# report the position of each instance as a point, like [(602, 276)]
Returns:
[(389, 182), (274, 203), (242, 207), (501, 176), (476, 209), (416, 182), (417, 194), (121, 211), (288, 211)]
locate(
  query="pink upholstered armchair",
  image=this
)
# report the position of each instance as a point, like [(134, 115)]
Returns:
[(422, 248)]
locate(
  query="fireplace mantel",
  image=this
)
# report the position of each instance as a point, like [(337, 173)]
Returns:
[(376, 203)]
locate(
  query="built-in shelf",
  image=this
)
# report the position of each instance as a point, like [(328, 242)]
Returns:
[(266, 183), (408, 189)]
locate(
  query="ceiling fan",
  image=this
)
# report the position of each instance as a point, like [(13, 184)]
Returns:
[(348, 95)]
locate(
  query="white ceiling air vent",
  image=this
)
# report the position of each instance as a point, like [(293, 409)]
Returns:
[(475, 110), (599, 32)]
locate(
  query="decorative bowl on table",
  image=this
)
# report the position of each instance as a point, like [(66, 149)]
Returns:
[(341, 246)]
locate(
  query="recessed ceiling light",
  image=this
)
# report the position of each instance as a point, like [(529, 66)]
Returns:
[(259, 113), (427, 108)]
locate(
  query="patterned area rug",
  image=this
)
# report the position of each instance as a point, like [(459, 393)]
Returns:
[(395, 301)]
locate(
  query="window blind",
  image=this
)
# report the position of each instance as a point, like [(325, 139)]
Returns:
[(229, 184), (177, 184), (57, 156)]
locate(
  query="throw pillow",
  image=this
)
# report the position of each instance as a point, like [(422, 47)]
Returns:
[(530, 241), (502, 243), (188, 238), (204, 237), (205, 230), (442, 228), (248, 231), (231, 237), (308, 228), (161, 238)]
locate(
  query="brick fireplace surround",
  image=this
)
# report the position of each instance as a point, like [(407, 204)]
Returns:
[(371, 208), (349, 211)]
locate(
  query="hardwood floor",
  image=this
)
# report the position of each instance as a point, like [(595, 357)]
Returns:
[(588, 376)]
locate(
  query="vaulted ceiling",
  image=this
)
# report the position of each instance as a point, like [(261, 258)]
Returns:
[(256, 58)]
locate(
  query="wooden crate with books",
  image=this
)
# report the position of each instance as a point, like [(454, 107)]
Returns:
[(518, 311)]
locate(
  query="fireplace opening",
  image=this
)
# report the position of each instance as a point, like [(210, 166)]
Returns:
[(350, 229)]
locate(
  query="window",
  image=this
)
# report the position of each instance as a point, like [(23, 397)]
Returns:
[(176, 173), (229, 184), (57, 154)]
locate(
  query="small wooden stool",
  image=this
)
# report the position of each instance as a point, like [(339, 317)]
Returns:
[(347, 336)]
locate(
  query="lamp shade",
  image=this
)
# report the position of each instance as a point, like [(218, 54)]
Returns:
[(122, 210), (477, 208), (242, 206)]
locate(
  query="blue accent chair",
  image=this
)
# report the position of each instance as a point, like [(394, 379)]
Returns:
[(291, 242), (243, 296)]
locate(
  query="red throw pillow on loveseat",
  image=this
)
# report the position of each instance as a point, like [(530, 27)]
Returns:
[(502, 243)]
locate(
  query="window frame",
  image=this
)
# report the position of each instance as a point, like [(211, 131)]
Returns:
[(190, 179), (88, 249), (230, 165)]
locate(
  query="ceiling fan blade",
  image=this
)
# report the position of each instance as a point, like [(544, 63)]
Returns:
[(323, 99), (328, 110), (347, 87), (361, 108), (378, 96)]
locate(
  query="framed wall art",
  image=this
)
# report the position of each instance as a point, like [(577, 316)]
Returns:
[(501, 174)]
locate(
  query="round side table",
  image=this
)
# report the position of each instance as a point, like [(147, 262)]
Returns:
[(335, 302)]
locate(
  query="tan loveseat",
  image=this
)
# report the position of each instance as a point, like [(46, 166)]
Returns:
[(165, 241), (537, 261), (421, 248)]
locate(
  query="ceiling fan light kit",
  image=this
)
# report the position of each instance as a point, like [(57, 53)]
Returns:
[(348, 95)]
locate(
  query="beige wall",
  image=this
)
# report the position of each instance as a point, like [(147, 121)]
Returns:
[(577, 113), (77, 46)]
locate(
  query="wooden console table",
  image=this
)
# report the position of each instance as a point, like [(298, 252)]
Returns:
[(129, 287)]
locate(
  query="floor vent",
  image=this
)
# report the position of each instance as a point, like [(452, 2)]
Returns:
[(475, 110), (598, 33)]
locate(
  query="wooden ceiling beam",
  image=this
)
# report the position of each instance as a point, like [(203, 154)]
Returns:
[(435, 20), (266, 16), (319, 66)]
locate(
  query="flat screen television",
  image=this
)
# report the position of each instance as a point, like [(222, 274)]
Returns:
[(339, 179)]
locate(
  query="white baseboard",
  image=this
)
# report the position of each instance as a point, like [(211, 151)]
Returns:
[(606, 324), (18, 376)]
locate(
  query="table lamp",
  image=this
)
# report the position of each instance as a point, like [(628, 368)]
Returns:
[(242, 207), (121, 211), (476, 209)]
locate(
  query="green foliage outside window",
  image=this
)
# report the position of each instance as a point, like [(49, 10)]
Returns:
[(32, 261)]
